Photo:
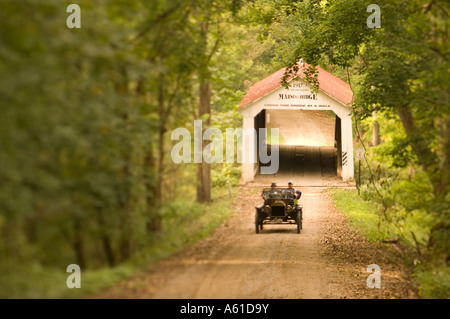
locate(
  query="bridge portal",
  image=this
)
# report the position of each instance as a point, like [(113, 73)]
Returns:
[(315, 130)]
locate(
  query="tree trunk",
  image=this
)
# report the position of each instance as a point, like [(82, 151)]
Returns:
[(105, 239), (430, 164), (153, 224), (204, 169), (156, 222), (375, 131), (125, 240), (444, 156), (107, 248), (204, 112), (161, 132), (125, 233), (78, 244), (419, 146)]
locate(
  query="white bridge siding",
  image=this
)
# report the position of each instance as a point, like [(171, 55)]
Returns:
[(299, 97)]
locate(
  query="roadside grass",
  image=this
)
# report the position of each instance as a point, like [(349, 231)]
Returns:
[(432, 280), (361, 214), (184, 222)]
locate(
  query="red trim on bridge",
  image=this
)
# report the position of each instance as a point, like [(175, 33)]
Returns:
[(328, 83)]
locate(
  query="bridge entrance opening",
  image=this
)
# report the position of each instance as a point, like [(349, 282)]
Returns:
[(308, 146), (315, 128)]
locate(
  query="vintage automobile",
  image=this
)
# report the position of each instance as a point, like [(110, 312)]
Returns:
[(280, 208)]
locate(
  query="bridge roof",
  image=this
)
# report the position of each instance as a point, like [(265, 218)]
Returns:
[(328, 83)]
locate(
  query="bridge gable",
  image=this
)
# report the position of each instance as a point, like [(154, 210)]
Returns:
[(297, 97)]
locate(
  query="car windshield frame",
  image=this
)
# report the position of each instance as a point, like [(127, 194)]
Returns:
[(279, 193)]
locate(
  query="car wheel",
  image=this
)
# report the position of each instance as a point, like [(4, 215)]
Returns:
[(257, 222), (299, 222), (301, 218)]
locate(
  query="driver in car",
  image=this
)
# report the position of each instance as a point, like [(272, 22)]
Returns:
[(291, 190)]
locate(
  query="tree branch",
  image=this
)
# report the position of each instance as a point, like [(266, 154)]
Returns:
[(157, 20), (214, 49)]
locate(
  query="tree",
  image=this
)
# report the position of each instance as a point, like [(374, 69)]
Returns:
[(209, 18), (401, 69), (375, 130), (164, 39)]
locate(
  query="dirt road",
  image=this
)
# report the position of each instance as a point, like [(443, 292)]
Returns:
[(327, 260)]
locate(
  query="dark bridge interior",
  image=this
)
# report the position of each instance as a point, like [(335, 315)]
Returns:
[(308, 146)]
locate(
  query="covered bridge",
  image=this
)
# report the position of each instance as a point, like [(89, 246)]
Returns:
[(312, 144)]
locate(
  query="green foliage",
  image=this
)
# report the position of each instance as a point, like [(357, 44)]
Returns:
[(221, 173), (401, 71), (361, 214), (393, 179), (85, 175), (400, 68), (433, 280), (74, 177), (272, 139), (435, 283), (84, 172), (228, 172), (184, 222), (395, 149)]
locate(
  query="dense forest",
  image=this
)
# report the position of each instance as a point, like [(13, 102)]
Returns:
[(87, 113)]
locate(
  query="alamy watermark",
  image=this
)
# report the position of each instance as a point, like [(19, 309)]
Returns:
[(189, 149), (74, 19), (73, 280), (374, 20), (374, 279)]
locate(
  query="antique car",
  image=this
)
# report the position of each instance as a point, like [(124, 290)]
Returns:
[(280, 208)]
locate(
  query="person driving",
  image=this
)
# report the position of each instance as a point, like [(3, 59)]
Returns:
[(296, 193)]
